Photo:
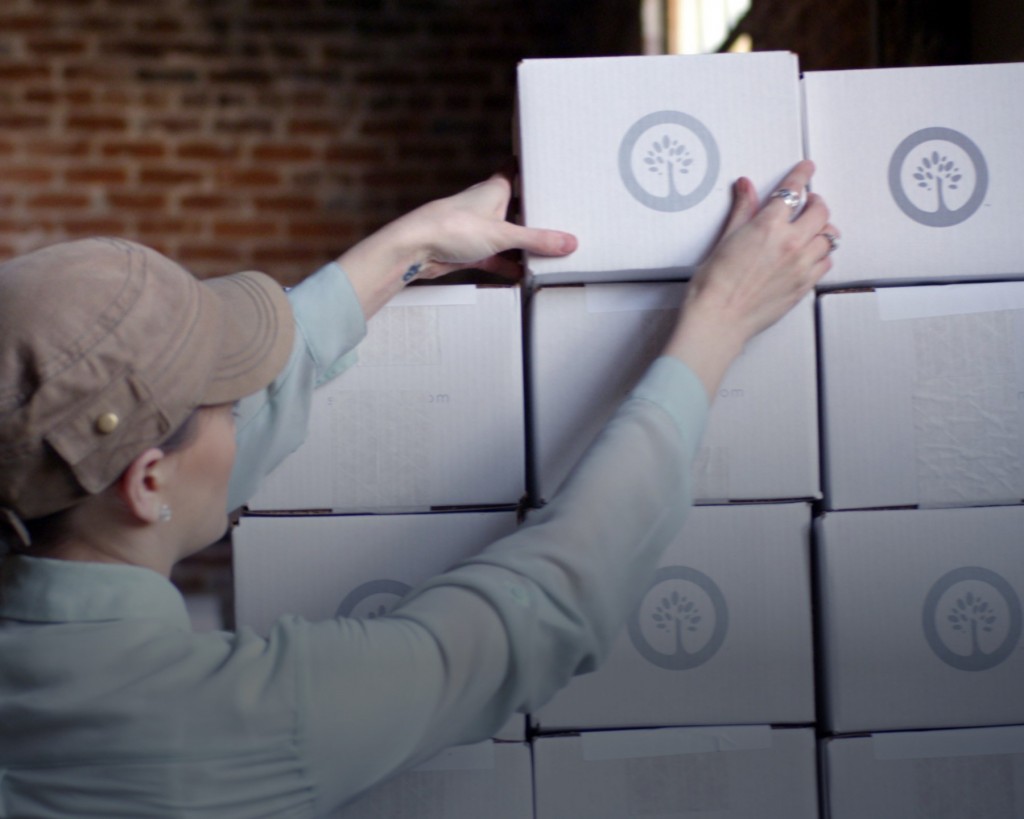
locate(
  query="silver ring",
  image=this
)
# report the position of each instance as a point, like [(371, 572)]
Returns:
[(833, 241), (794, 200)]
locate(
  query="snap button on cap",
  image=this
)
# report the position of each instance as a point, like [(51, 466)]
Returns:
[(107, 423)]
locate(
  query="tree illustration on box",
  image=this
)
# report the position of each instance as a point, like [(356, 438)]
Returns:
[(667, 157), (676, 613), (970, 613), (935, 170)]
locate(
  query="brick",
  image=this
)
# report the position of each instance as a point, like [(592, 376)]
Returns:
[(98, 226), (23, 72), (170, 226), (95, 176), (167, 75), (26, 175), (360, 154), (171, 124), (282, 152), (109, 122), (57, 47), (207, 201), (248, 177), (319, 229), (245, 229), (244, 125), (208, 151), (128, 200), (6, 148), (285, 203), (306, 127), (23, 122), (138, 149), (63, 201), (168, 176), (22, 23)]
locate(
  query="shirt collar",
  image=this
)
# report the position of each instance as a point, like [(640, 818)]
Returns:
[(43, 590)]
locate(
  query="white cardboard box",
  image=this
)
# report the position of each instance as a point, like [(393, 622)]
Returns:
[(430, 416), (637, 155), (723, 635), (934, 774), (921, 169), (491, 779), (923, 395), (921, 618), (323, 566), (589, 345), (738, 772)]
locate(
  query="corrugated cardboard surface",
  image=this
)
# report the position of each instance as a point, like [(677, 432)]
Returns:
[(486, 780), (956, 127), (723, 635), (431, 415), (921, 618), (588, 346), (622, 152), (322, 566), (738, 772), (934, 774), (923, 395)]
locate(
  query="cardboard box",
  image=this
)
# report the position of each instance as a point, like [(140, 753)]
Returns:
[(934, 774), (589, 345), (489, 779), (723, 635), (923, 395), (323, 566), (637, 155), (430, 416), (921, 169), (921, 618), (739, 772)]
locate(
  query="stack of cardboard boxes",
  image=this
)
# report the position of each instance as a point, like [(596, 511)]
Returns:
[(798, 653), (921, 544)]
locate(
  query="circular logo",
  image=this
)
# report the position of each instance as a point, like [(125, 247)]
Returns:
[(682, 620), (938, 177), (972, 618), (372, 599), (668, 161)]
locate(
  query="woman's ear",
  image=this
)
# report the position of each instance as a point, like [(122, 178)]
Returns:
[(142, 486)]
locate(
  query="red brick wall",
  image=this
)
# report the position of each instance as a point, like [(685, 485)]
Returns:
[(237, 133)]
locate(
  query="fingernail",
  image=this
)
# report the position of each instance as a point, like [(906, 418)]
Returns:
[(567, 243)]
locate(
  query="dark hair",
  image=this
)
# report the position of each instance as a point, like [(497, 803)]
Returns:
[(48, 531)]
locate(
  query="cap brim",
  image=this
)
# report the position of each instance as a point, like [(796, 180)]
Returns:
[(259, 332)]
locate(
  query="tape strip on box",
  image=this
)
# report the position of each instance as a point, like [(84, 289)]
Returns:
[(901, 303), (604, 745), (959, 742), (622, 298)]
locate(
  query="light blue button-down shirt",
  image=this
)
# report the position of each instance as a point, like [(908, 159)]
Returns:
[(110, 706)]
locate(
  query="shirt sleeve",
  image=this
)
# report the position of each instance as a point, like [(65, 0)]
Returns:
[(272, 424), (505, 630)]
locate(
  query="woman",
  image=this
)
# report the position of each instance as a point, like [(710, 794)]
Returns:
[(110, 706)]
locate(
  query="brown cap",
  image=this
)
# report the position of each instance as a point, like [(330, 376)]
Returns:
[(106, 347)]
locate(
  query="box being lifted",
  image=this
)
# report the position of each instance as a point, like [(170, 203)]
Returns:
[(934, 774), (637, 155), (922, 170), (735, 772), (430, 416), (921, 618), (722, 635), (589, 345), (923, 395)]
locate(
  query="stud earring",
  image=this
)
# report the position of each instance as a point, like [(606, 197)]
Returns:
[(165, 513)]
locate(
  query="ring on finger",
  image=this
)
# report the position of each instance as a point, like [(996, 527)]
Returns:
[(790, 198), (833, 241)]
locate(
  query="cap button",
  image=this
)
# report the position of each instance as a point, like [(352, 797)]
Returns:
[(107, 423)]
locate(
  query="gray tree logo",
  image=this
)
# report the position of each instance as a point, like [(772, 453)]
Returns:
[(682, 621), (372, 599), (668, 161), (972, 618), (938, 177)]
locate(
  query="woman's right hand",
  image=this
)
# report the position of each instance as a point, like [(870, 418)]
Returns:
[(764, 263)]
